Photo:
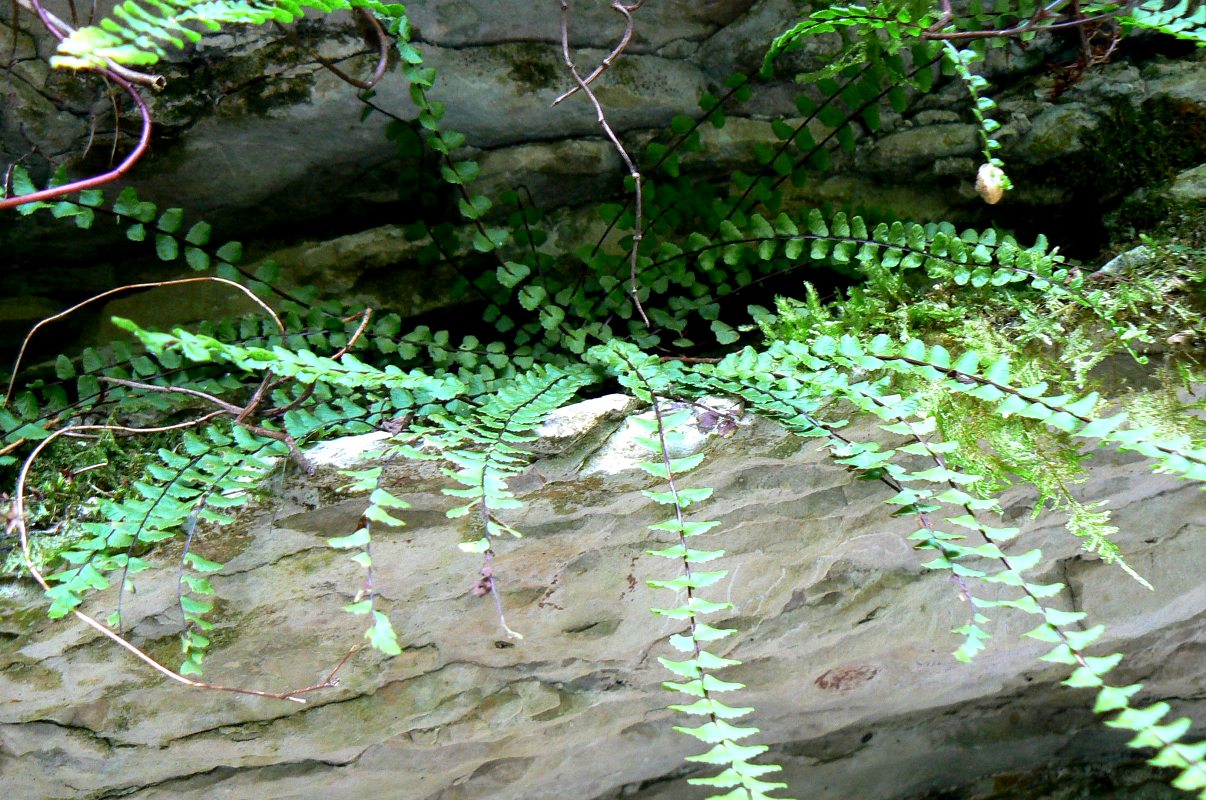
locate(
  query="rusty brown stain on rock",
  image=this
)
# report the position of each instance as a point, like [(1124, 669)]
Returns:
[(843, 679)]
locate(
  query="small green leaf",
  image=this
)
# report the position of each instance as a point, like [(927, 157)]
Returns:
[(511, 273), (171, 219), (166, 247), (201, 564), (381, 635), (358, 539), (64, 370)]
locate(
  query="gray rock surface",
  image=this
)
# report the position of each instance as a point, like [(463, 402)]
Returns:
[(844, 637), (1190, 186), (254, 132)]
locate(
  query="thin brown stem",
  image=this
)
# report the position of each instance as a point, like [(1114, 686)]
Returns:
[(229, 408), (130, 287), (628, 162), (17, 523), (382, 41), (612, 56)]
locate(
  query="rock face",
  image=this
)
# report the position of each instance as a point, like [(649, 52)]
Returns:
[(844, 638), (254, 133), (254, 136)]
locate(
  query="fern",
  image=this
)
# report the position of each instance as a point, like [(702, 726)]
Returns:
[(1184, 20), (662, 439), (965, 407), (383, 505), (138, 34)]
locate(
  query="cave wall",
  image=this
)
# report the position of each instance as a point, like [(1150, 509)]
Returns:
[(256, 136)]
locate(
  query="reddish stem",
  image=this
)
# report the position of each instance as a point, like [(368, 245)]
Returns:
[(144, 140)]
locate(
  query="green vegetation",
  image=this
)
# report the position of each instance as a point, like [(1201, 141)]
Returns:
[(946, 338)]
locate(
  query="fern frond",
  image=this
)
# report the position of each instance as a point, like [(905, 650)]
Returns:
[(646, 378), (382, 506), (139, 32), (487, 444), (1184, 20)]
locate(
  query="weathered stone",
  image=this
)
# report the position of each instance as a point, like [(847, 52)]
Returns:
[(553, 174), (1055, 133), (1123, 263), (253, 134), (469, 22), (844, 637), (255, 123), (913, 149), (1189, 186)]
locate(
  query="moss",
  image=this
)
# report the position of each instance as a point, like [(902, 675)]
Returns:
[(1134, 146), (44, 550), (533, 67), (253, 84), (18, 619), (567, 498)]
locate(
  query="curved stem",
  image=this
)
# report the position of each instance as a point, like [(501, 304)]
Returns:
[(18, 523), (155, 284), (628, 162), (144, 141)]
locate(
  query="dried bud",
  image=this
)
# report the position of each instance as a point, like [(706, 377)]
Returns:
[(488, 571), (480, 590), (990, 183)]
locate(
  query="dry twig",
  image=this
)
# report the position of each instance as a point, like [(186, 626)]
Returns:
[(584, 86)]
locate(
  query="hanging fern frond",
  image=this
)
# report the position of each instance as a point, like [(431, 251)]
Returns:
[(1184, 19), (383, 505), (645, 377), (487, 446), (139, 33)]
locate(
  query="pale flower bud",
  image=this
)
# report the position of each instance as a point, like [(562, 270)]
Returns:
[(990, 183)]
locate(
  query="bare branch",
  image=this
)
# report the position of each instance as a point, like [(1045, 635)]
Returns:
[(152, 285), (144, 141), (229, 408), (613, 55), (628, 162)]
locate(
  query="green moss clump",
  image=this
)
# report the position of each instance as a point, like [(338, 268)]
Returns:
[(532, 67)]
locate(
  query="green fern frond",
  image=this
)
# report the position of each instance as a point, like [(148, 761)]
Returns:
[(1184, 20), (646, 378), (139, 32)]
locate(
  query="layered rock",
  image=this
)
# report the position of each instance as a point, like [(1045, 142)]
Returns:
[(844, 637)]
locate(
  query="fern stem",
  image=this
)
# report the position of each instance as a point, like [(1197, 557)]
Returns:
[(135, 155)]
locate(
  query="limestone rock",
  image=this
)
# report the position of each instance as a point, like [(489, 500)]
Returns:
[(1190, 186), (844, 638), (1055, 133), (913, 149)]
